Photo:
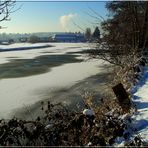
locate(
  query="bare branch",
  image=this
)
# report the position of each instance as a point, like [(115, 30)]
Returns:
[(6, 8), (78, 26)]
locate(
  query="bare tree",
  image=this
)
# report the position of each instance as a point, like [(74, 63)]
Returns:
[(125, 33), (6, 8)]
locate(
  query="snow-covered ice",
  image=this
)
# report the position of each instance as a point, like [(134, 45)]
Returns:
[(57, 48), (20, 92)]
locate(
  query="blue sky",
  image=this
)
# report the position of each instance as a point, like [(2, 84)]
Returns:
[(53, 16)]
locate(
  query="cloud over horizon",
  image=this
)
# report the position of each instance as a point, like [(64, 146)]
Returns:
[(66, 19)]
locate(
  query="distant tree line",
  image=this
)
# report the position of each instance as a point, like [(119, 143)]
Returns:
[(34, 39)]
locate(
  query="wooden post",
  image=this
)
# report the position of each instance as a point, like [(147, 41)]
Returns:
[(122, 96)]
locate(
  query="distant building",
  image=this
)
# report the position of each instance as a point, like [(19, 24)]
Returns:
[(23, 39), (69, 37)]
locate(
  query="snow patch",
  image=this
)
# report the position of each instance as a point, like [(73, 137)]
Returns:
[(119, 142), (49, 126), (88, 112)]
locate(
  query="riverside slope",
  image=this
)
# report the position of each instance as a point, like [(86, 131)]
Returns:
[(140, 93)]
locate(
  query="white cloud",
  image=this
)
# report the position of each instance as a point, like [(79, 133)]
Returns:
[(66, 19)]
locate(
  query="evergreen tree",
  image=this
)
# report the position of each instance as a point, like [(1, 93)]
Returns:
[(96, 33), (88, 33)]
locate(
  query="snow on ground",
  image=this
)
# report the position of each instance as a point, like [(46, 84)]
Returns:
[(141, 101), (88, 112), (19, 92), (20, 45)]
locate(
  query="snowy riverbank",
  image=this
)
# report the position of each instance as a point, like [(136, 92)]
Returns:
[(141, 101)]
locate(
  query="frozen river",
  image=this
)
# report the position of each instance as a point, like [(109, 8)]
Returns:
[(26, 75)]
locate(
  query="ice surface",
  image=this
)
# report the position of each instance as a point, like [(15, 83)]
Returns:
[(20, 92)]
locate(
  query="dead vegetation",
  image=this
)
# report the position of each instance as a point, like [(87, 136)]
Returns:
[(60, 127)]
